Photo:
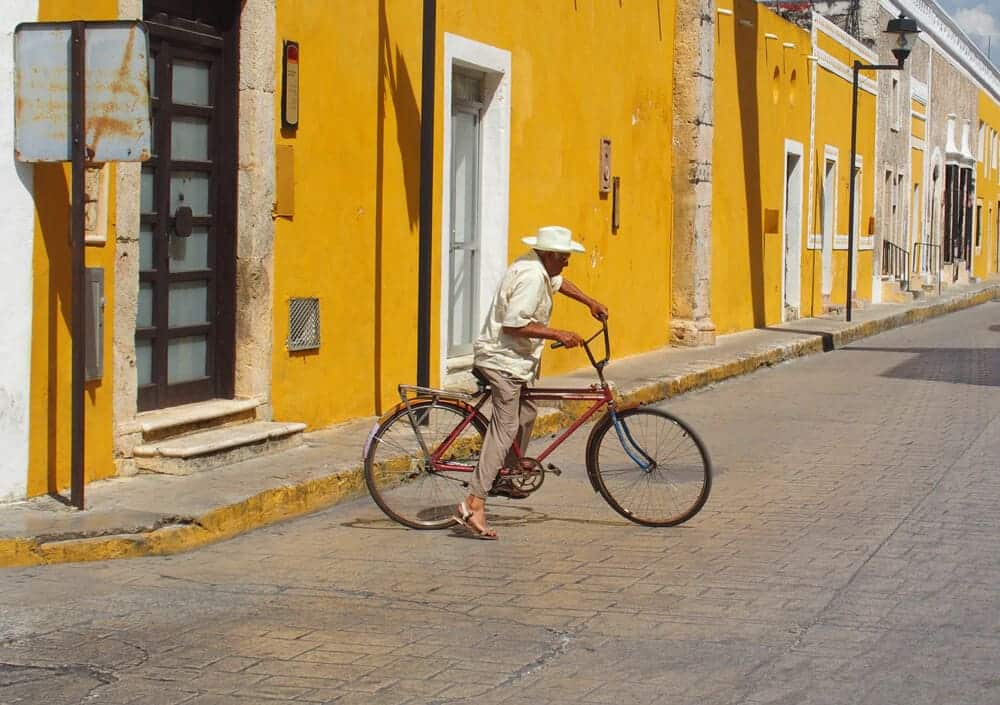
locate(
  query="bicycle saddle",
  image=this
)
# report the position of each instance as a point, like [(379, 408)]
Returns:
[(481, 379)]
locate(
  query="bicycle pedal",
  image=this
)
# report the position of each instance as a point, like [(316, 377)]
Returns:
[(553, 469)]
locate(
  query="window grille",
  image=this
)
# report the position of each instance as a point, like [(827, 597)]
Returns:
[(303, 324)]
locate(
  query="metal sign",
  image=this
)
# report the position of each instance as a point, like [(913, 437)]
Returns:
[(117, 123)]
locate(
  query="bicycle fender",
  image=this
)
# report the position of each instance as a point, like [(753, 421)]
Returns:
[(590, 443)]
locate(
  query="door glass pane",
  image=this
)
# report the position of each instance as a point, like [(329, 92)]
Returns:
[(187, 359), (188, 304), (190, 82), (189, 253), (146, 247), (465, 170), (189, 138), (462, 298), (146, 192), (144, 314), (189, 188), (144, 361)]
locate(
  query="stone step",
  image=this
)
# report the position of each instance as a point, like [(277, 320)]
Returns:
[(183, 455), (181, 420)]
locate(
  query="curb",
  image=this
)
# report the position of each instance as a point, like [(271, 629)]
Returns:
[(288, 502)]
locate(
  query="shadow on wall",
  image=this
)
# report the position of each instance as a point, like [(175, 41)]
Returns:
[(747, 94), (393, 82), (52, 202)]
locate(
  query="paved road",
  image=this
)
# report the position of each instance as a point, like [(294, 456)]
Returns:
[(850, 553)]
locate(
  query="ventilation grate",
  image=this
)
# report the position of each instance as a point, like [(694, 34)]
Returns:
[(303, 324)]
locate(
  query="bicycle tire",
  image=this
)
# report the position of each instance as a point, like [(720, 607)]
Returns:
[(395, 471), (673, 490)]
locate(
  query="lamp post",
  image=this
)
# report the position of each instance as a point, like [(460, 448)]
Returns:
[(906, 31)]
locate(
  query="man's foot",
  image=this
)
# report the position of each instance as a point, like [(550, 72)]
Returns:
[(503, 487), (467, 518)]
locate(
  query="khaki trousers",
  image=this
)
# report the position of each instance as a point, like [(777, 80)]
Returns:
[(513, 417)]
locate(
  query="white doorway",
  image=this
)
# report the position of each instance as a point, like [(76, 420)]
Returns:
[(792, 232), (474, 194), (828, 215)]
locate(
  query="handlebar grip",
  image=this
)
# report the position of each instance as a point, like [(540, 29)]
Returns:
[(557, 344)]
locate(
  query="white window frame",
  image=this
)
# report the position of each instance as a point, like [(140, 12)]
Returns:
[(495, 64)]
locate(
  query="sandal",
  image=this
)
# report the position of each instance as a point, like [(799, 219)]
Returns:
[(464, 517)]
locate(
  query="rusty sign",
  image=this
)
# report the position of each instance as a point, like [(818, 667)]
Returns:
[(116, 79)]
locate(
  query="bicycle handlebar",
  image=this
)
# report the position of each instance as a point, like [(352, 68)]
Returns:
[(598, 364)]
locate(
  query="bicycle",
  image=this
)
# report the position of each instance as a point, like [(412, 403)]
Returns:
[(649, 465)]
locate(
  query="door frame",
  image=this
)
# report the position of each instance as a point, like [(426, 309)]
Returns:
[(254, 265), (791, 247), (494, 179), (185, 37)]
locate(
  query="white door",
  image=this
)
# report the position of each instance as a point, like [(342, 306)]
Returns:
[(793, 235), (464, 246), (828, 208)]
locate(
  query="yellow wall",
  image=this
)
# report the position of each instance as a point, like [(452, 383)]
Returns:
[(984, 260), (574, 80), (345, 216), (762, 98), (51, 345)]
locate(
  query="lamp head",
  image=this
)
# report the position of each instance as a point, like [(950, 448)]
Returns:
[(906, 31)]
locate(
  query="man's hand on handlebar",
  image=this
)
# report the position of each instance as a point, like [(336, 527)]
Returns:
[(598, 311), (567, 338)]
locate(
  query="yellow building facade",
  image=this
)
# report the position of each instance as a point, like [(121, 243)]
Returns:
[(780, 177), (986, 237), (320, 268), (326, 211)]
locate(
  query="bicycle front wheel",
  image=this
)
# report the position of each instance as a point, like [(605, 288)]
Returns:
[(652, 468), (399, 475)]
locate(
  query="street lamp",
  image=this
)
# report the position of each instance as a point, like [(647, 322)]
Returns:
[(906, 30)]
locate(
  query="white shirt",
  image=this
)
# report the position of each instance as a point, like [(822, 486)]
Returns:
[(524, 296)]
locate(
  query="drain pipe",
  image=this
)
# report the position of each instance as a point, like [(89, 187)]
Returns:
[(427, 80)]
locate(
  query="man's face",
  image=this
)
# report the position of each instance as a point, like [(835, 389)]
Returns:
[(554, 262)]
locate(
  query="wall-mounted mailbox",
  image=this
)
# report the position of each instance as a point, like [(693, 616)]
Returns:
[(290, 85), (604, 185), (94, 315)]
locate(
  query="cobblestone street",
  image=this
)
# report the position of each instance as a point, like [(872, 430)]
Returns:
[(849, 553)]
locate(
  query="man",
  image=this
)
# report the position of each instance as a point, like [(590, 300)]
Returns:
[(508, 352)]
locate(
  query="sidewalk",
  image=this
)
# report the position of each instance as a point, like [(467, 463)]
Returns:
[(160, 514)]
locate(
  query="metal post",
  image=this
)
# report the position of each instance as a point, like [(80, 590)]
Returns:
[(78, 157), (850, 205), (858, 66), (427, 79)]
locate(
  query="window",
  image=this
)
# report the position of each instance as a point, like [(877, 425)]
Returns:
[(979, 225), (895, 107), (982, 141)]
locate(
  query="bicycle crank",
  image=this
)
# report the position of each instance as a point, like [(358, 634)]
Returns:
[(530, 477)]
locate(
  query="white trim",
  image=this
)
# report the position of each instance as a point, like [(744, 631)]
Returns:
[(917, 143), (919, 90), (842, 70), (844, 39), (494, 176), (840, 242), (866, 242), (814, 241), (16, 273)]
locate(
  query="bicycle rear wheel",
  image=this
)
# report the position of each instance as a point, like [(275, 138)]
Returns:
[(653, 470), (399, 475)]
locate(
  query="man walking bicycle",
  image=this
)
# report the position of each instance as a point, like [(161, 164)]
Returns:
[(508, 352)]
